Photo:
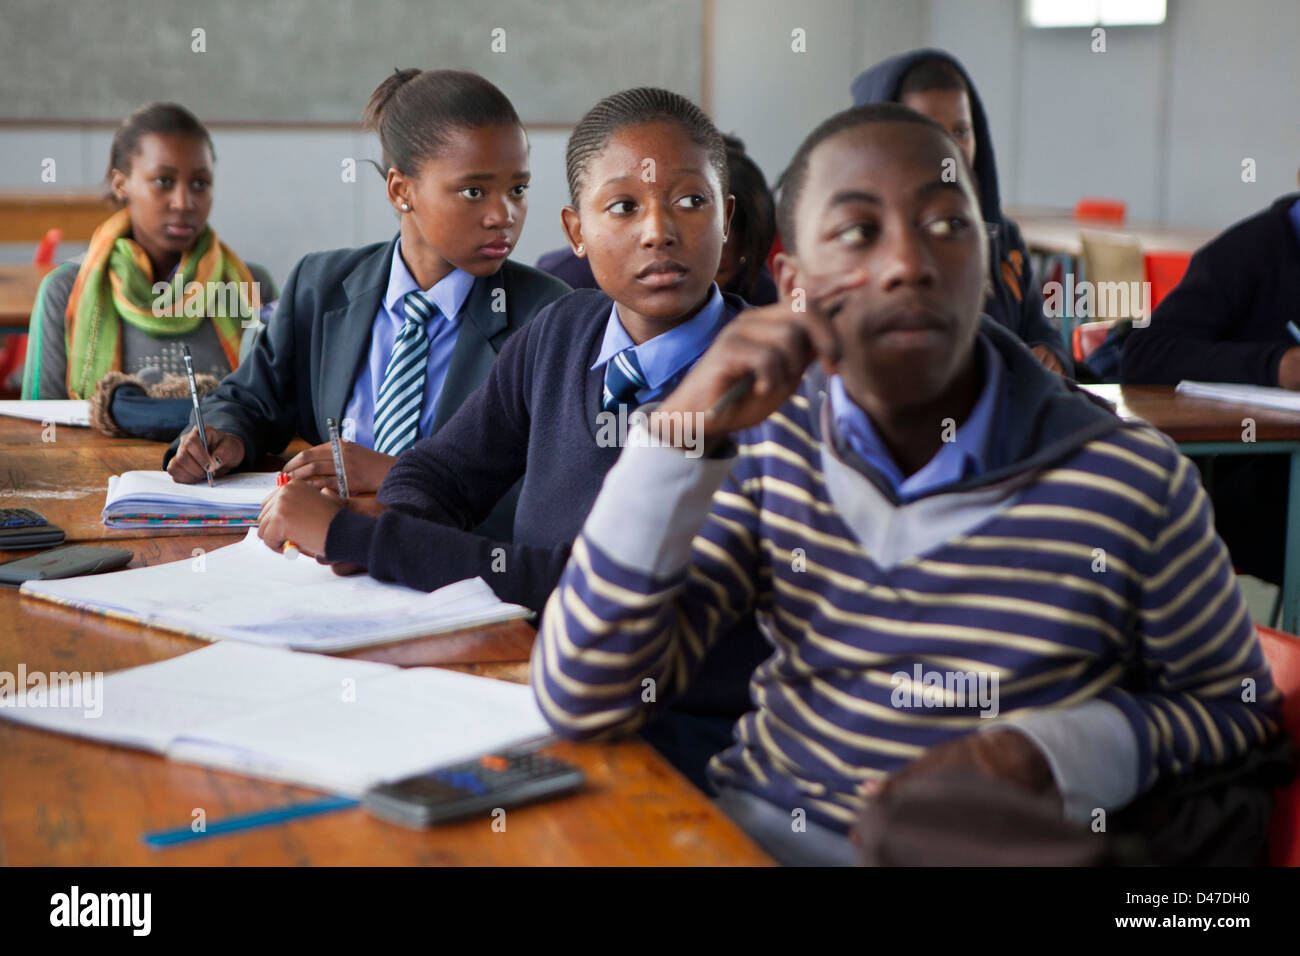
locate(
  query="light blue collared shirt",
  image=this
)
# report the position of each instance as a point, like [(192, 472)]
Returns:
[(963, 457), (665, 357), (449, 295)]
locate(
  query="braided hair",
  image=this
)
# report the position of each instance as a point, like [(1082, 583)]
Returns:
[(645, 104)]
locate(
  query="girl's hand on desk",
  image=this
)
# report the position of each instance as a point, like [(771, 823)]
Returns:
[(365, 467), (299, 513), (366, 505), (187, 466)]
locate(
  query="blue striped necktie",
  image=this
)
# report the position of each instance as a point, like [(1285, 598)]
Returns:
[(401, 397), (623, 379)]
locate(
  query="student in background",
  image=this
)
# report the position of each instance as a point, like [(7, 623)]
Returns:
[(551, 408), (99, 331), (389, 339), (936, 85), (876, 555), (743, 270), (1226, 321)]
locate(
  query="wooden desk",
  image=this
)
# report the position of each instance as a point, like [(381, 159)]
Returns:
[(1201, 426), (66, 801), (26, 216), (1056, 232), (18, 285)]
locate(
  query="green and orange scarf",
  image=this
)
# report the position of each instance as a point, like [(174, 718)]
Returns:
[(115, 284)]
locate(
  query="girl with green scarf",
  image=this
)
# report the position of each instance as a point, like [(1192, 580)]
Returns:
[(155, 278)]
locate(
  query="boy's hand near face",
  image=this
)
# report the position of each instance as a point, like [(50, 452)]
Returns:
[(365, 467), (188, 464), (773, 347)]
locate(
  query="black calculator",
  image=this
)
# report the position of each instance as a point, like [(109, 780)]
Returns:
[(25, 528), (473, 788)]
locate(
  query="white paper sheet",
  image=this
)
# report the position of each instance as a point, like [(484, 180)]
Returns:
[(248, 592), (61, 411), (331, 723)]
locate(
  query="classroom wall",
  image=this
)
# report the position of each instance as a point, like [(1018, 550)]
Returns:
[(1162, 119)]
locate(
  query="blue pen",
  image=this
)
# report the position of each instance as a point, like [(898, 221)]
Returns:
[(248, 821), (1295, 332)]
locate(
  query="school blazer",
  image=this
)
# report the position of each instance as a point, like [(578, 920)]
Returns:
[(303, 365)]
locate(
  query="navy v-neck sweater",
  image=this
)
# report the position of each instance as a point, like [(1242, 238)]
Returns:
[(1226, 320), (534, 417)]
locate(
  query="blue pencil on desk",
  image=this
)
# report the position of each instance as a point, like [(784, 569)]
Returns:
[(248, 821)]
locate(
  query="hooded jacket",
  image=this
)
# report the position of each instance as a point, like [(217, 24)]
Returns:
[(1017, 302)]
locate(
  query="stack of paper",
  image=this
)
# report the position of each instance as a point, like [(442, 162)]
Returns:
[(1261, 395), (141, 499), (247, 592), (60, 411), (325, 722)]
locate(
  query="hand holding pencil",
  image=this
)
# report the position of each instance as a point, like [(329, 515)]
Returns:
[(757, 361)]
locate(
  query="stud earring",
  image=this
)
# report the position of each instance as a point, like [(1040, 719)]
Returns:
[(581, 249), (406, 207)]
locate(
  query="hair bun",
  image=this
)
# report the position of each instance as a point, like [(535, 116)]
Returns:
[(383, 95)]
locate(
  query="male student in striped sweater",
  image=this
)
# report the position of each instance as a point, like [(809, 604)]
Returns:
[(926, 501)]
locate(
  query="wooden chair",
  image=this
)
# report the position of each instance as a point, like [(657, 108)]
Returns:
[(1283, 653)]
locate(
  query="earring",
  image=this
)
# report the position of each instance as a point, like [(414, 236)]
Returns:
[(581, 249), (724, 237), (406, 207), (742, 260)]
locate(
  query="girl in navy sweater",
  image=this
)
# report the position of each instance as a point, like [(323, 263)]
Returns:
[(650, 207), (648, 180)]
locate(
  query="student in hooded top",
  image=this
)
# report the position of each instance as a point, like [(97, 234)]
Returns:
[(926, 499), (936, 85)]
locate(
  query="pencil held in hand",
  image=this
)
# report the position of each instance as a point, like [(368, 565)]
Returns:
[(288, 549), (198, 413)]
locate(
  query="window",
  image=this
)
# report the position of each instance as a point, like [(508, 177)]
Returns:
[(1091, 13)]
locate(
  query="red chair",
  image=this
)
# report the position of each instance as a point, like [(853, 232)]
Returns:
[(1283, 653), (14, 350), (1164, 271), (1088, 337), (1107, 210)]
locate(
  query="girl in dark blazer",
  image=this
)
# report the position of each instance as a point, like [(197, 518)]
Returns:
[(389, 339)]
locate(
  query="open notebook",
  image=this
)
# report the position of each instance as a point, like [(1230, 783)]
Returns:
[(247, 592), (329, 723), (141, 499)]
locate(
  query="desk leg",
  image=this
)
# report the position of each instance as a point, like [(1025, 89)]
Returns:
[(1291, 571)]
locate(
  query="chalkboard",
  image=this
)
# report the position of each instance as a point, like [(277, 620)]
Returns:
[(318, 60)]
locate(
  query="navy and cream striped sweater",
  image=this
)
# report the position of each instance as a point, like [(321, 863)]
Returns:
[(1082, 567)]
